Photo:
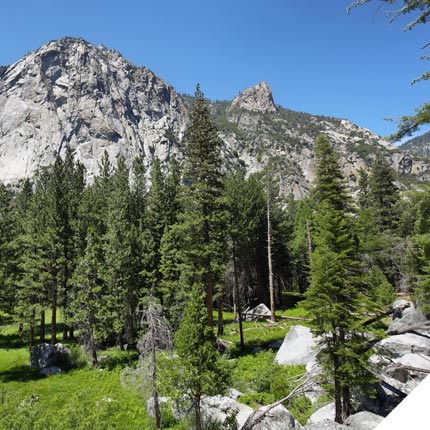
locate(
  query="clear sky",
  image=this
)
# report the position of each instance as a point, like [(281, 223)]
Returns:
[(315, 57)]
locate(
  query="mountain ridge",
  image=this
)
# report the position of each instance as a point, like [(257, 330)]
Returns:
[(418, 145), (70, 92)]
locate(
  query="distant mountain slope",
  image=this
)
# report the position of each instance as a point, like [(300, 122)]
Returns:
[(72, 93), (418, 145)]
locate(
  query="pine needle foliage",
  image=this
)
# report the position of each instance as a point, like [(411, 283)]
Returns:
[(334, 297)]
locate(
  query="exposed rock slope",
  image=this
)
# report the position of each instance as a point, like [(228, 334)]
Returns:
[(72, 93), (69, 92), (419, 145)]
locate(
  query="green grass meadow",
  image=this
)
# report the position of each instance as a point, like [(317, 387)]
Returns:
[(94, 399)]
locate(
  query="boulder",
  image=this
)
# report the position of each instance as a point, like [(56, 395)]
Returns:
[(402, 304), (363, 421), (418, 361), (46, 355), (299, 347), (409, 317), (217, 408), (260, 311), (327, 412), (325, 425), (402, 344), (233, 393), (47, 371), (278, 418), (165, 402)]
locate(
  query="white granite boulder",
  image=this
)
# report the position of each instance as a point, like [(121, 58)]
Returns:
[(278, 418), (217, 408), (403, 344), (299, 347), (363, 421), (260, 311), (327, 412), (326, 425)]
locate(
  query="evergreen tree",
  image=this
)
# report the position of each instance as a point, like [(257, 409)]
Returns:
[(379, 222), (123, 256), (156, 220), (300, 221), (8, 230), (199, 369), (204, 215), (89, 310), (333, 299), (383, 194)]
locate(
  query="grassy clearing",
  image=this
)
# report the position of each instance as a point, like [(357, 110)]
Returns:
[(77, 400), (87, 399)]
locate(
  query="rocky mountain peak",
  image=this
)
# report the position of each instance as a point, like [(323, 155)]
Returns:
[(257, 99), (90, 98)]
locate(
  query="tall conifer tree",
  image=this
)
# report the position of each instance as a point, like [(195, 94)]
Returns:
[(333, 298), (204, 212)]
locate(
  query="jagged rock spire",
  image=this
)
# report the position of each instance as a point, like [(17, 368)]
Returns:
[(257, 99)]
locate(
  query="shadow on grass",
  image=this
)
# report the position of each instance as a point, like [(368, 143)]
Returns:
[(21, 373), (11, 341), (119, 359)]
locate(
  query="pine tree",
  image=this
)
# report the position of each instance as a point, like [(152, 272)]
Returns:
[(204, 215), (8, 254), (123, 256), (156, 220), (199, 369), (246, 206), (89, 310), (333, 298), (383, 194)]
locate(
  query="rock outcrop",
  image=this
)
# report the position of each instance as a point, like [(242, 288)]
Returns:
[(255, 99), (299, 347), (72, 93)]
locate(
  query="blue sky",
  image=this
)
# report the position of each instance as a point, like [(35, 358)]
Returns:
[(315, 57)]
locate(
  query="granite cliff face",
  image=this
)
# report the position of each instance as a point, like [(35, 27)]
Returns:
[(69, 92), (72, 93), (418, 145)]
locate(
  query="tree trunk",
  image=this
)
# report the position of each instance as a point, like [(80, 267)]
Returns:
[(197, 411), (154, 375), (209, 299), (236, 296), (65, 331), (346, 402), (220, 330), (337, 392), (42, 326), (31, 328), (54, 315), (269, 257), (92, 344)]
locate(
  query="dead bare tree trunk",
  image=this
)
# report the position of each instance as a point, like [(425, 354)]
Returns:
[(158, 335), (269, 257), (258, 416)]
